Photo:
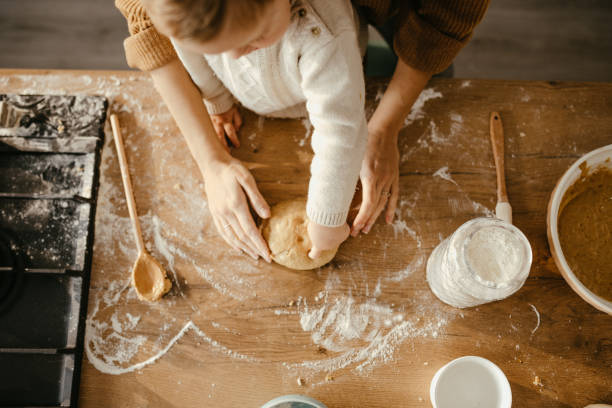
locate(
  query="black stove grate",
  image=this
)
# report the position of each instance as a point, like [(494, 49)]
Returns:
[(49, 158), (11, 271)]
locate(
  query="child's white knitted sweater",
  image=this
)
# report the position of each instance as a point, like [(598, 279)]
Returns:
[(315, 70)]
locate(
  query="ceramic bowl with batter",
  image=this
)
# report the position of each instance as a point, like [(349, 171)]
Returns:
[(593, 160)]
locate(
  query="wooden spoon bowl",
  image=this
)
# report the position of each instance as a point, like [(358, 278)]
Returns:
[(149, 278)]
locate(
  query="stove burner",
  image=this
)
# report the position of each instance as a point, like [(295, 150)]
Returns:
[(11, 270)]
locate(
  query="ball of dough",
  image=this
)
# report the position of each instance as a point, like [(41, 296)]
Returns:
[(287, 236)]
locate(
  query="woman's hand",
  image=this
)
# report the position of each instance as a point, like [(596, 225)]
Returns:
[(228, 124), (380, 168), (379, 180), (325, 238), (227, 181)]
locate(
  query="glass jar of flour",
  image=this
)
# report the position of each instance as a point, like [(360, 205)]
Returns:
[(486, 259)]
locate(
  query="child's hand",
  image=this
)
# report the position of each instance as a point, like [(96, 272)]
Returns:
[(226, 182), (379, 179), (228, 124), (324, 238)]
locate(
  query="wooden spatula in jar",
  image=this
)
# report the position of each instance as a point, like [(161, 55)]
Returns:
[(503, 210)]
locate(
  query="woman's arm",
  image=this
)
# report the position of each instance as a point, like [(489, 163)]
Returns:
[(428, 36), (380, 168), (226, 179), (187, 108)]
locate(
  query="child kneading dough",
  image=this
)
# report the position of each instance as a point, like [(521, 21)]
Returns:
[(278, 58)]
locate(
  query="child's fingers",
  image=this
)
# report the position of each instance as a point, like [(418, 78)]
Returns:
[(237, 119), (219, 129), (220, 133), (314, 253), (392, 205), (231, 134), (368, 206), (247, 182)]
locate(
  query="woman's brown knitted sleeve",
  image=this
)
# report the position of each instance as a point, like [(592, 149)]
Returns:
[(430, 33), (145, 48)]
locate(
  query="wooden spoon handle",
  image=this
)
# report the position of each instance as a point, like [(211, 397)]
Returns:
[(497, 141), (127, 183)]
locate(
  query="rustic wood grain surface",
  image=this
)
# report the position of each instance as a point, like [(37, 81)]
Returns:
[(246, 337)]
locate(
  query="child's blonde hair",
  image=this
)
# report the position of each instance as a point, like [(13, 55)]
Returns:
[(202, 19)]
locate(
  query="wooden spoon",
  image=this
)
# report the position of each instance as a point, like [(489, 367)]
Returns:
[(148, 276), (503, 210)]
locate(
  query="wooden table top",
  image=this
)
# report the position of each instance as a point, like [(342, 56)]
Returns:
[(364, 331)]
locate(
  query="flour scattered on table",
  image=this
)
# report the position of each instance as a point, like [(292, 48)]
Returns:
[(308, 132), (456, 124), (380, 92), (455, 117), (538, 319), (366, 334), (433, 138), (417, 108), (443, 173), (481, 209)]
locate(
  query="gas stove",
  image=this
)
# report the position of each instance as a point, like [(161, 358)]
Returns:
[(49, 158)]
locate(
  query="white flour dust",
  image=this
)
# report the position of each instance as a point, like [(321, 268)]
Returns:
[(537, 316), (443, 173), (307, 134), (417, 112), (463, 202), (435, 138), (129, 347), (495, 255), (366, 333)]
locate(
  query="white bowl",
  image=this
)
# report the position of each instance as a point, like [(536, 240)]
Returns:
[(468, 382), (594, 159)]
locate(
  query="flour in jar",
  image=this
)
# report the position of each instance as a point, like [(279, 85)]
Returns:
[(495, 255), (485, 260)]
